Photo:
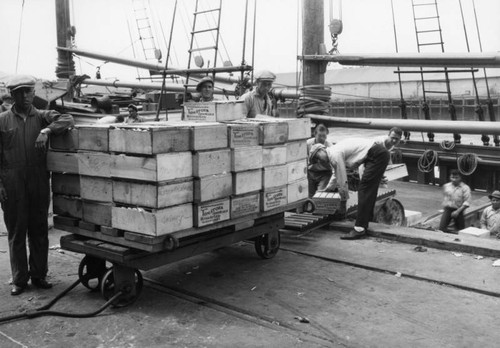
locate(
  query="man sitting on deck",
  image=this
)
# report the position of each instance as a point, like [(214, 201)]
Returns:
[(133, 117), (490, 218), (456, 199), (374, 155)]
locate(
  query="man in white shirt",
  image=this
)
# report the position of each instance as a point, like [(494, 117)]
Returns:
[(257, 101), (374, 155), (319, 170), (490, 218)]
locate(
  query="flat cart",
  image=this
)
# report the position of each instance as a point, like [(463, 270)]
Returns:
[(128, 258)]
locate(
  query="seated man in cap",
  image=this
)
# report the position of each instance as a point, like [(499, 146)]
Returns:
[(24, 184), (206, 89), (490, 218), (318, 171), (132, 115), (257, 101)]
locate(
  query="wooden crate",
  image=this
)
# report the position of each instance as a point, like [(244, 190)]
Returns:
[(298, 190), (298, 128), (273, 198), (297, 170), (62, 162), (153, 195), (211, 162), (96, 189), (245, 205), (274, 176), (97, 213), (148, 139), (216, 111), (246, 158), (65, 184), (209, 213), (93, 138), (247, 181), (396, 171), (67, 206), (271, 130), (156, 222), (207, 136), (94, 164), (296, 150), (67, 141), (159, 167), (243, 135), (212, 187), (326, 203), (273, 155)]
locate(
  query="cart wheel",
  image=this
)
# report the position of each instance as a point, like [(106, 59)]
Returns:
[(309, 206), (108, 289), (391, 213), (171, 243), (262, 246), (89, 279)]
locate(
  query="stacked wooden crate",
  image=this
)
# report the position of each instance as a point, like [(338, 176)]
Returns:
[(155, 179)]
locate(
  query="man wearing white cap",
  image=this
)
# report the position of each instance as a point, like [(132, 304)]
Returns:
[(258, 102), (24, 181), (206, 89)]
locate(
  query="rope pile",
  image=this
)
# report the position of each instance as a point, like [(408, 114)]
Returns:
[(314, 99), (427, 161), (467, 163)]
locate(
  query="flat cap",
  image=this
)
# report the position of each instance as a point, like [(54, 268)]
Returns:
[(20, 81), (264, 75), (132, 106), (495, 194), (202, 81)]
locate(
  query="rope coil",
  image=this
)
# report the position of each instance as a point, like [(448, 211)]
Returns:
[(314, 99), (447, 145), (427, 161), (467, 163)]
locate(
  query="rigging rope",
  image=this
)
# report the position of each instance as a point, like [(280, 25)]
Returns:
[(447, 145), (314, 99), (19, 38), (427, 161), (467, 163)]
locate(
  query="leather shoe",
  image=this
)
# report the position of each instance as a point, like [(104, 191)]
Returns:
[(17, 290), (41, 283), (353, 234)]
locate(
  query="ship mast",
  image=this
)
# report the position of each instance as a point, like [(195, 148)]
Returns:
[(313, 36), (65, 35)]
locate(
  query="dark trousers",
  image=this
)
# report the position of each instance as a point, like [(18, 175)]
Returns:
[(446, 219), (375, 164), (25, 215), (317, 181)]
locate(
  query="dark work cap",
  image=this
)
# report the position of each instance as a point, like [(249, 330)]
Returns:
[(20, 81), (495, 194), (132, 106)]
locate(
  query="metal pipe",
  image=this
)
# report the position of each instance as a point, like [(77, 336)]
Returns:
[(478, 60), (159, 67), (441, 126)]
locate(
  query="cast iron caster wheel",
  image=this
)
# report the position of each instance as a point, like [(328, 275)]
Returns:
[(91, 281), (108, 289), (391, 212), (262, 248)]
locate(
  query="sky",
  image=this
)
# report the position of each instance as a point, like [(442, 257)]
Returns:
[(109, 26)]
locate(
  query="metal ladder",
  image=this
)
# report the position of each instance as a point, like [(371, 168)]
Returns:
[(146, 37), (430, 38), (195, 32)]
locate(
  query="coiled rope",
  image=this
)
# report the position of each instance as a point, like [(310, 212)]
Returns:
[(427, 161), (314, 99), (447, 145), (467, 163)]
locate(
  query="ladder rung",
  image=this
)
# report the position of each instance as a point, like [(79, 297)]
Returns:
[(203, 48), (204, 30), (428, 31), (206, 11), (440, 92), (421, 18), (142, 28), (430, 43)]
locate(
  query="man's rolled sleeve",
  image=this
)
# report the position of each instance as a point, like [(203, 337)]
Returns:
[(58, 123)]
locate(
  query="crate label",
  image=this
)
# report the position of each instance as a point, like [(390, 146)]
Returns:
[(245, 205), (274, 199), (200, 111), (210, 213)]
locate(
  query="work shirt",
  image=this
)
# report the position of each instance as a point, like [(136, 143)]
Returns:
[(257, 105), (317, 166), (490, 220), (381, 140), (346, 154), (18, 136), (456, 196)]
